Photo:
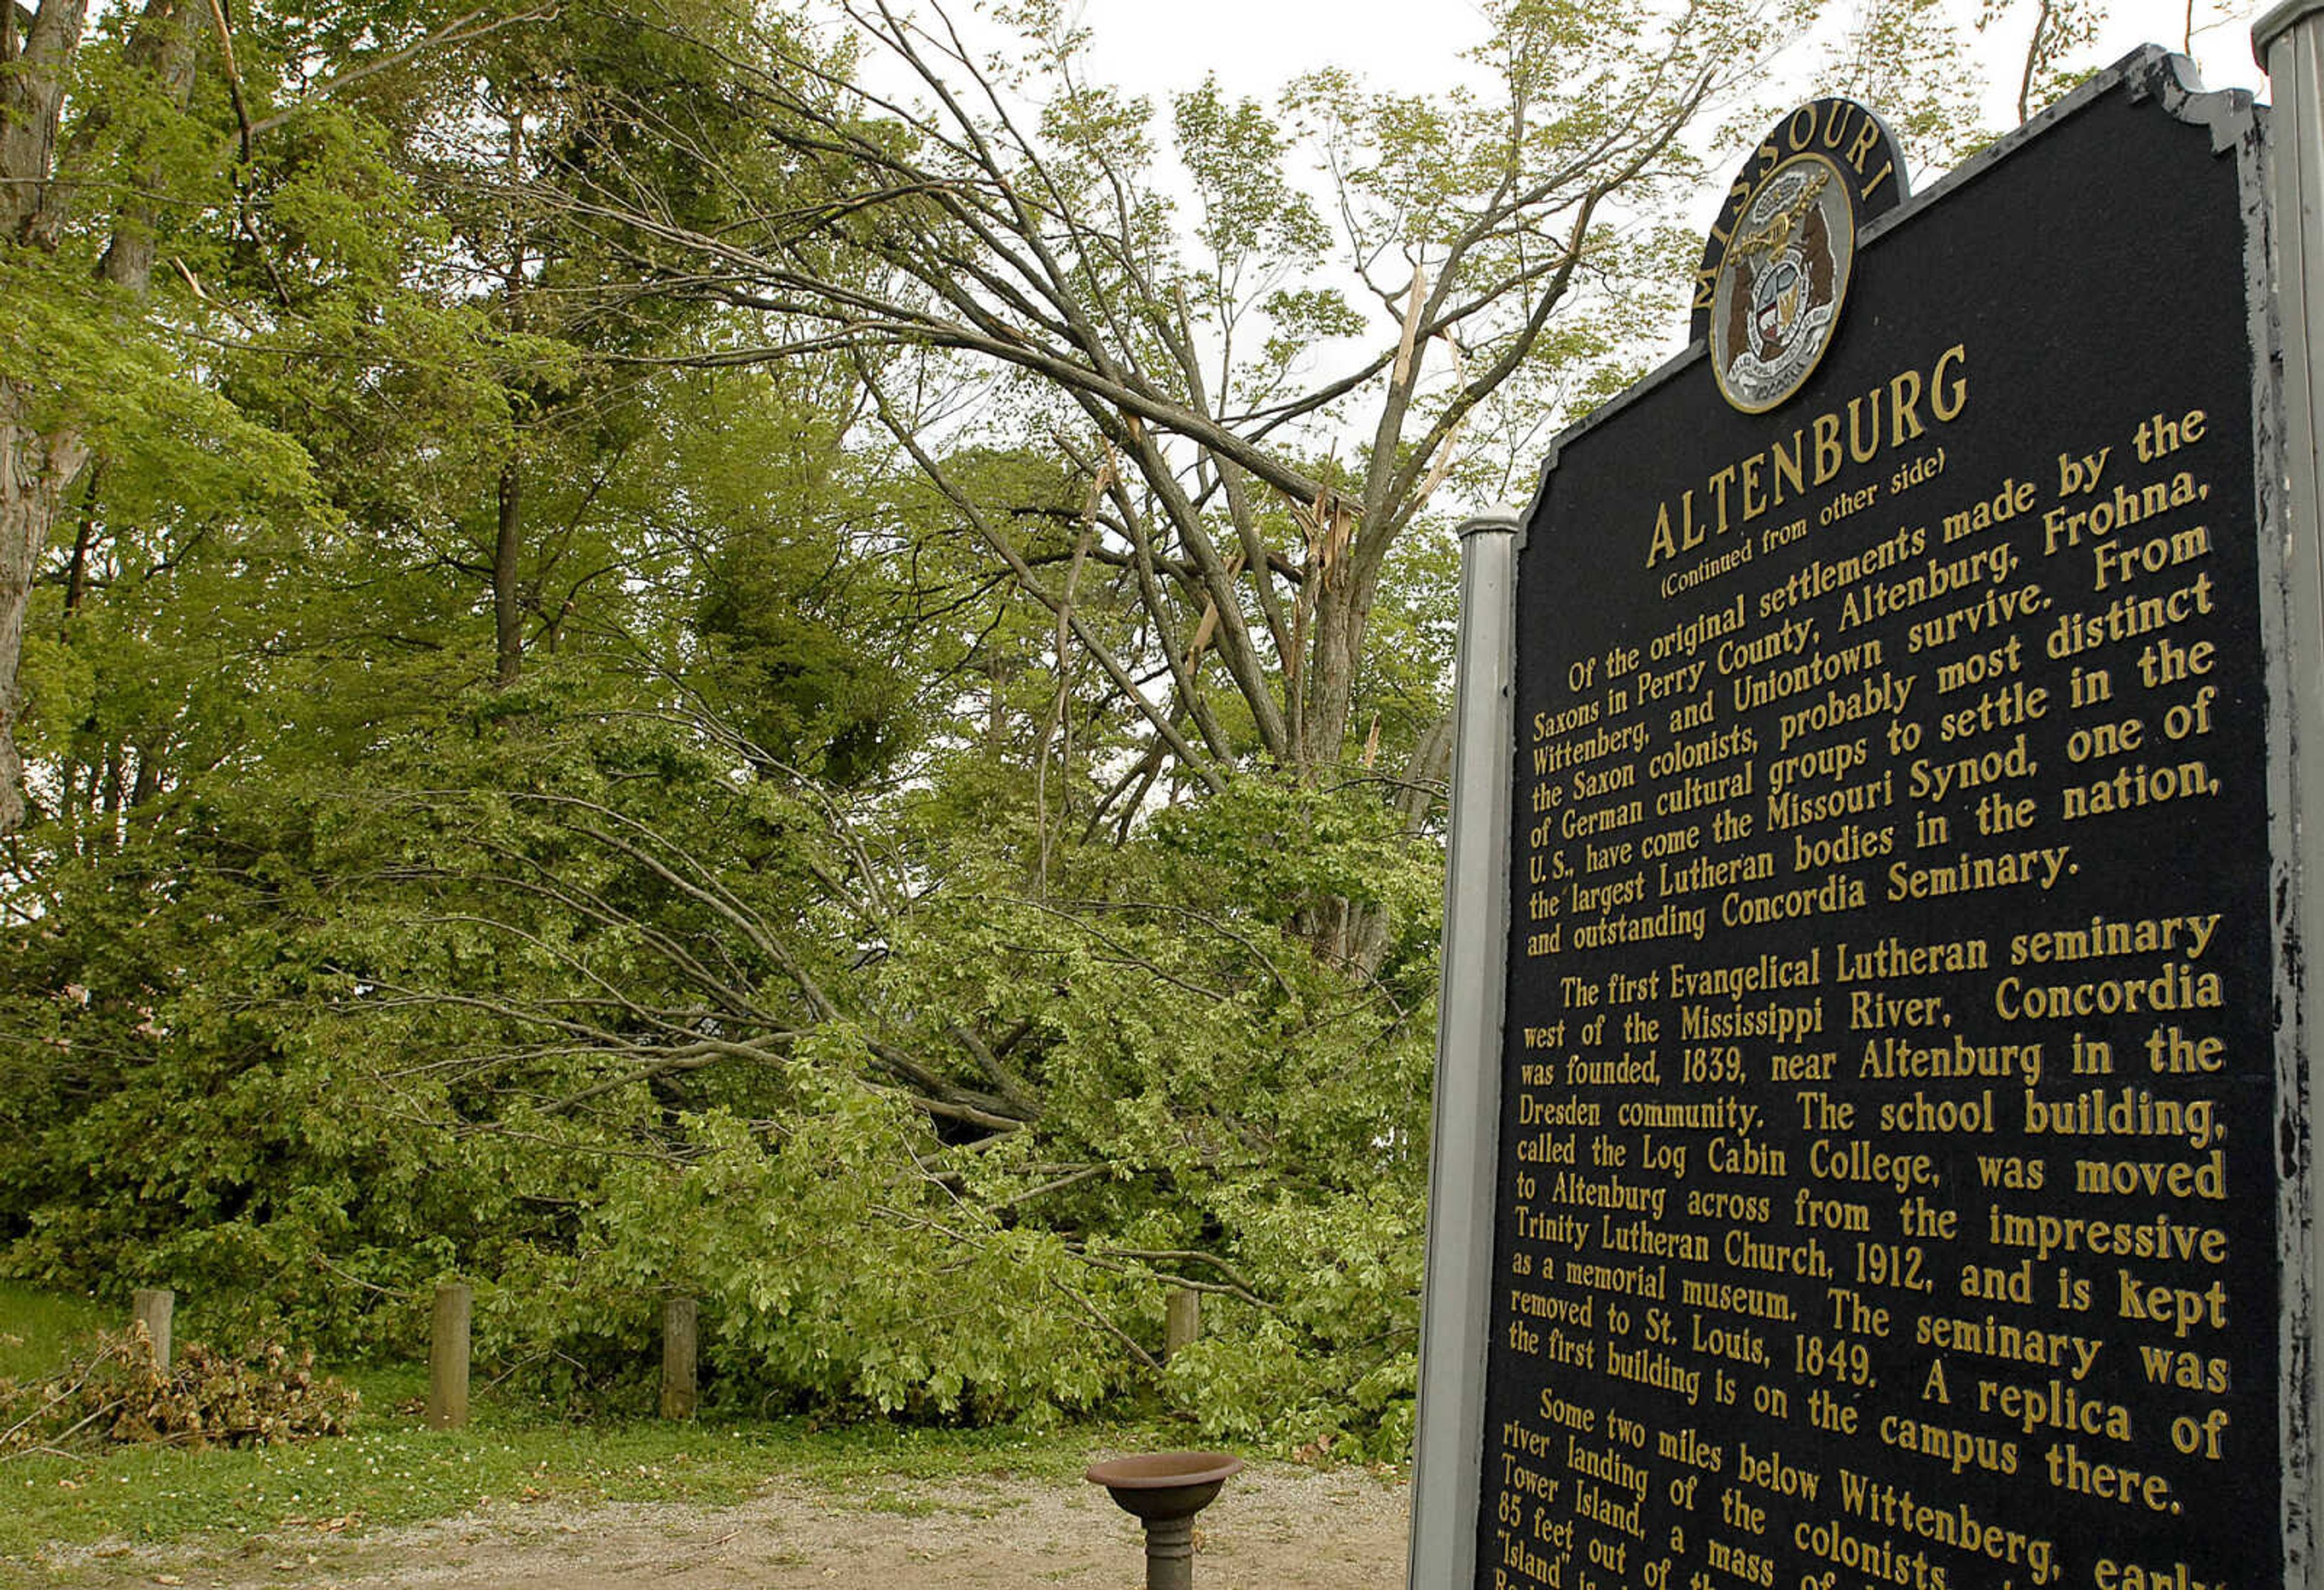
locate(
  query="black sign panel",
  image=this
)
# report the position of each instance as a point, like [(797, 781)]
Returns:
[(1888, 1189)]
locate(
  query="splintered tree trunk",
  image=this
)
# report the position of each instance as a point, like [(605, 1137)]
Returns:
[(1342, 612)]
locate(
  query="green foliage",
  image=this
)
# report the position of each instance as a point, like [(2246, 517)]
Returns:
[(85, 359), (1908, 60), (2056, 32), (1337, 1363), (770, 925), (459, 1025), (836, 1277), (581, 741)]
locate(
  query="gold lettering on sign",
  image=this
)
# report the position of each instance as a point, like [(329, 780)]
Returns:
[(1878, 1091)]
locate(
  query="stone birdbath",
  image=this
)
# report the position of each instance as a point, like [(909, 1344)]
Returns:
[(1164, 1491)]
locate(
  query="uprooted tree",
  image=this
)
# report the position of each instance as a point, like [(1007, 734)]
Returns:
[(1452, 277)]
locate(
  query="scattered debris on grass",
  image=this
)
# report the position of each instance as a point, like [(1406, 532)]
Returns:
[(119, 1395)]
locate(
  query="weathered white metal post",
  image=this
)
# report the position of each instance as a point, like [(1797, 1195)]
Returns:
[(1466, 1122), (2289, 42)]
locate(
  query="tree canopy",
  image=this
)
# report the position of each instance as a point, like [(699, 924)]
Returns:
[(656, 644)]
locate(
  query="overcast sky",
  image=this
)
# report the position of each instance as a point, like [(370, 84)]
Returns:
[(1154, 47), (1254, 45)]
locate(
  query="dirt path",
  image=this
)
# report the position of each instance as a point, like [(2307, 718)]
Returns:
[(1274, 1527)]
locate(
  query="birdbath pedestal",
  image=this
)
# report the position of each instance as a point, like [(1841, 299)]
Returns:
[(1164, 1491)]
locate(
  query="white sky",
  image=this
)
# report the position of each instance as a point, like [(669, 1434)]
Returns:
[(1155, 46)]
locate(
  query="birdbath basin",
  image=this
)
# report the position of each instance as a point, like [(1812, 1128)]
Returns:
[(1164, 1491)]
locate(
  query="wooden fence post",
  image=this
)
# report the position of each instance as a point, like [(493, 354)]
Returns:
[(679, 1319), (151, 1307), (447, 1356), (1183, 1323)]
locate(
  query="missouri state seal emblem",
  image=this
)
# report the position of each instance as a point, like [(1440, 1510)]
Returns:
[(1774, 279), (1779, 291)]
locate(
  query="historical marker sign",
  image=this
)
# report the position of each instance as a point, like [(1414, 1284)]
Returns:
[(1891, 1130)]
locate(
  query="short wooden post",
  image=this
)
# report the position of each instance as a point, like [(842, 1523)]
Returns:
[(679, 1317), (447, 1356), (1184, 1322), (151, 1307)]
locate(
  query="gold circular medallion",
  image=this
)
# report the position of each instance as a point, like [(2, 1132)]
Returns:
[(1781, 283)]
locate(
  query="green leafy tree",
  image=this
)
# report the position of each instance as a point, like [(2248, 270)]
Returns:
[(815, 674), (1910, 61), (131, 163), (2062, 27)]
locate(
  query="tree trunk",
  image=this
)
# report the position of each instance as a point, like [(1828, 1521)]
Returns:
[(508, 535), (76, 570), (34, 68), (149, 777), (508, 612), (162, 45), (37, 465), (1343, 614), (34, 470)]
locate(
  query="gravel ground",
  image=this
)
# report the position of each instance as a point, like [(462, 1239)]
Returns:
[(1275, 1527)]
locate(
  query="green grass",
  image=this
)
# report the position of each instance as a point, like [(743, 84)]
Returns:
[(846, 1456), (394, 1470), (39, 1330)]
